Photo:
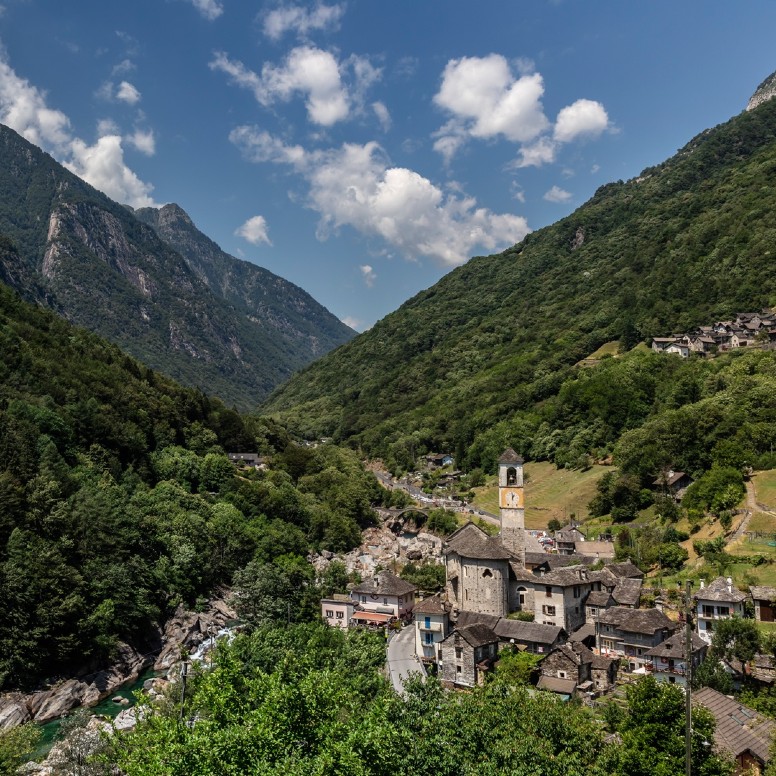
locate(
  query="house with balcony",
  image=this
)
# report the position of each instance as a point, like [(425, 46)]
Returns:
[(432, 626), (381, 600), (719, 600), (559, 596), (668, 660), (630, 633)]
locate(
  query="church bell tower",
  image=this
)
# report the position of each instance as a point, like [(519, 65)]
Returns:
[(512, 503)]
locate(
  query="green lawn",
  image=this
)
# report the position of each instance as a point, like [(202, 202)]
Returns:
[(765, 487), (549, 492)]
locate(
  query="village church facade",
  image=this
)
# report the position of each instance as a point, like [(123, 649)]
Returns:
[(487, 574)]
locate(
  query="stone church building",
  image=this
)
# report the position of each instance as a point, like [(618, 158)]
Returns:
[(487, 574)]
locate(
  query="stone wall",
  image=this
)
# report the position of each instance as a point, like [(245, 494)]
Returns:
[(483, 585)]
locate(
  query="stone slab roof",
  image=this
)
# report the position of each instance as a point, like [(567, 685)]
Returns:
[(477, 634), (739, 728), (763, 593), (627, 592), (553, 684), (521, 631), (598, 598), (576, 652), (472, 542), (722, 590), (674, 646), (385, 583), (626, 569), (586, 631), (636, 620), (554, 561), (466, 618), (432, 605), (510, 456), (564, 577)]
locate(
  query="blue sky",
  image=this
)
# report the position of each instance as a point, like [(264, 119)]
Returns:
[(364, 149)]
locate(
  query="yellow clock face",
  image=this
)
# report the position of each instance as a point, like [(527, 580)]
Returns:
[(510, 498)]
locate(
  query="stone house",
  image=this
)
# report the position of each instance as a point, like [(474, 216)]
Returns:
[(432, 626), (630, 633), (668, 660), (337, 611), (566, 539), (571, 662), (386, 595), (595, 549), (741, 732), (764, 598), (468, 653), (719, 600), (559, 596), (674, 483), (603, 673)]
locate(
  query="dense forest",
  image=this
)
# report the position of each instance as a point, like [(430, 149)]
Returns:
[(487, 356), (118, 501), (310, 700)]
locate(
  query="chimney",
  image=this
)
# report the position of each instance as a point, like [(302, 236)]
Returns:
[(703, 584), (730, 584)]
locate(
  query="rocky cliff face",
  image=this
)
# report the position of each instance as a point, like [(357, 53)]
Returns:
[(763, 93), (204, 318), (268, 301)]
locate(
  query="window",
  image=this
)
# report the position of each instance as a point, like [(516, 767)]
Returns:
[(363, 599), (672, 680), (593, 611), (511, 476), (561, 674), (385, 601), (548, 590), (429, 638), (576, 591), (330, 613), (458, 653), (458, 670), (427, 623), (521, 595), (340, 615), (487, 573), (548, 610)]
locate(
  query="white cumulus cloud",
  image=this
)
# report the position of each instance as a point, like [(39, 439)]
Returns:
[(355, 186), (486, 100), (301, 20), (255, 231), (383, 115), (23, 108), (208, 9), (557, 194), (143, 140), (308, 71), (368, 274), (127, 93), (354, 323), (102, 165), (581, 118)]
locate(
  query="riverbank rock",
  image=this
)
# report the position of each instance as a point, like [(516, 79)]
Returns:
[(189, 629), (13, 711)]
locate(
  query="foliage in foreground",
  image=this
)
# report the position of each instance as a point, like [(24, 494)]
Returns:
[(309, 700)]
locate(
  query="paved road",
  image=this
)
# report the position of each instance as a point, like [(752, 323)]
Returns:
[(401, 658)]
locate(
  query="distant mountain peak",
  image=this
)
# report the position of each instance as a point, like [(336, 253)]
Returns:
[(763, 92)]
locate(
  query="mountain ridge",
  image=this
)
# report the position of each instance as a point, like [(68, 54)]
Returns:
[(93, 262), (686, 241)]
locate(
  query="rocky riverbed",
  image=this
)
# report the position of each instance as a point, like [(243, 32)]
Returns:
[(184, 630)]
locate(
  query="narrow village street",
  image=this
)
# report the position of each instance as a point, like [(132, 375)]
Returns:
[(401, 658)]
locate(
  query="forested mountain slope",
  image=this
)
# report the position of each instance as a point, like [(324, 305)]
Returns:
[(688, 241), (118, 501), (92, 261)]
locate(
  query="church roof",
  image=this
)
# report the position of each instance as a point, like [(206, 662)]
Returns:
[(510, 456), (385, 583), (472, 542)]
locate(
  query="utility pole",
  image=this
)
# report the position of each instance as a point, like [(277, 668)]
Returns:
[(184, 674), (688, 678)]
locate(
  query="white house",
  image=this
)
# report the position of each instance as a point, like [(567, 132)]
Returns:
[(719, 600), (432, 625), (337, 611), (668, 661)]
